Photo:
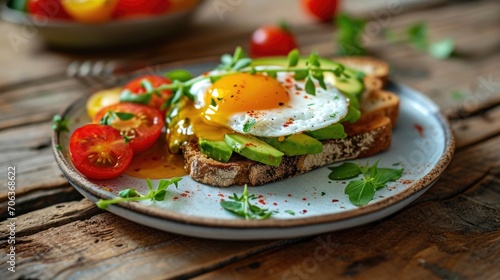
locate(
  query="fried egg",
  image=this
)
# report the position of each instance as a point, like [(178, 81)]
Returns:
[(261, 105)]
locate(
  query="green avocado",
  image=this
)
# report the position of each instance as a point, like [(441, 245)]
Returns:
[(352, 85), (334, 131), (254, 149), (297, 144), (217, 150)]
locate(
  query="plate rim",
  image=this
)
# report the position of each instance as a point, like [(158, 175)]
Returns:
[(78, 180)]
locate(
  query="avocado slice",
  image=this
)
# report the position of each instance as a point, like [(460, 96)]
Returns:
[(334, 131), (353, 85), (217, 150), (253, 148), (297, 144)]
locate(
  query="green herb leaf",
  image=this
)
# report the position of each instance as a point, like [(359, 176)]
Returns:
[(238, 54), (345, 171), (147, 85), (360, 192), (349, 34), (385, 175), (128, 96), (293, 58), (110, 117), (290, 212), (458, 95), (242, 207), (314, 59), (129, 195), (310, 87), (417, 35), (248, 126), (242, 63), (124, 116), (301, 75), (59, 124), (272, 74), (442, 49), (180, 75)]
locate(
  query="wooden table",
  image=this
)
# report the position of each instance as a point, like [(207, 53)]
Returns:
[(451, 232)]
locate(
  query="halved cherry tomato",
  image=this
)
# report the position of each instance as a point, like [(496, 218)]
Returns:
[(143, 129), (90, 11), (47, 8), (136, 87), (99, 151), (323, 10), (137, 8), (272, 41), (102, 99)]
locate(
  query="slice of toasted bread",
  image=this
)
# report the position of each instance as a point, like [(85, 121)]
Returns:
[(366, 138), (380, 102)]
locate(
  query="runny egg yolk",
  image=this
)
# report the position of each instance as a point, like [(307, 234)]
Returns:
[(242, 92)]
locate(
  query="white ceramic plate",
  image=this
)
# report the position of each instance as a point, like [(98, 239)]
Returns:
[(422, 144)]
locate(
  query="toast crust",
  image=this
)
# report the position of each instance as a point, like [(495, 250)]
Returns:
[(365, 138)]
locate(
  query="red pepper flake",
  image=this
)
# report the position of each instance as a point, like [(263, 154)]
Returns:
[(297, 93), (184, 194), (281, 103), (420, 129), (275, 204), (250, 144), (260, 196), (289, 122), (261, 201), (289, 195), (405, 182), (175, 198), (335, 200), (303, 211), (220, 194), (306, 97), (304, 199)]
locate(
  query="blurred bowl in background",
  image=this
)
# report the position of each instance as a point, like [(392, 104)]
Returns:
[(114, 33)]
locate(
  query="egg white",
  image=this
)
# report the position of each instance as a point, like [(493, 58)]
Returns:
[(303, 112)]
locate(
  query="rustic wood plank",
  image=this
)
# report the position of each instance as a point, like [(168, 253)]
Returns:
[(430, 240), (108, 245), (52, 216)]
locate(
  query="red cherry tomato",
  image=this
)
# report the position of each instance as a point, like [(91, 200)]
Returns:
[(323, 10), (142, 129), (272, 41), (136, 87), (137, 8), (47, 8), (99, 151)]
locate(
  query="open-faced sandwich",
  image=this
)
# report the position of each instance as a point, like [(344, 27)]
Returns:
[(280, 117), (249, 121)]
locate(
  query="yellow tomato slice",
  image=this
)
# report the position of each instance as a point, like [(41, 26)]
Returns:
[(90, 11), (102, 99)]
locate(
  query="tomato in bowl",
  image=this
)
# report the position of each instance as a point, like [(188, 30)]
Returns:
[(63, 24)]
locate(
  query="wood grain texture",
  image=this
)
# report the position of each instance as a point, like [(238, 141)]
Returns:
[(450, 232)]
